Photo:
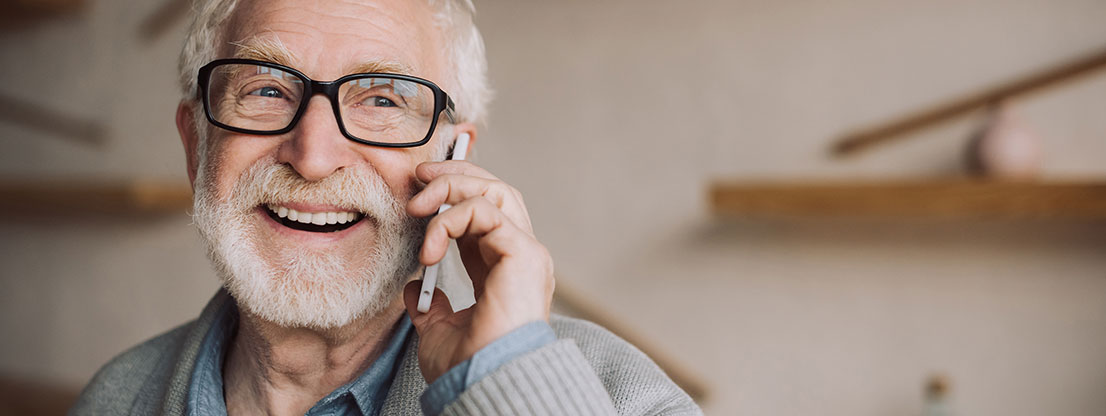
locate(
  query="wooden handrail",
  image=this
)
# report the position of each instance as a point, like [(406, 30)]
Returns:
[(49, 120), (854, 142)]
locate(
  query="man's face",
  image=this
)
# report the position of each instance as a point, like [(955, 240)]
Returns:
[(279, 270)]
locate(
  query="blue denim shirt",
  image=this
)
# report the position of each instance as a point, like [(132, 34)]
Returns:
[(365, 395)]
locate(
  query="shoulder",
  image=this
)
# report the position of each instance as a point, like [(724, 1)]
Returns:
[(601, 346), (590, 336), (636, 384), (116, 386)]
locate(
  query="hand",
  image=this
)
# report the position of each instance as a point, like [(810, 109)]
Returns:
[(511, 272)]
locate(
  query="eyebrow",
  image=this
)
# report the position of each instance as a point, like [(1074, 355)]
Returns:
[(381, 67), (264, 49), (273, 50)]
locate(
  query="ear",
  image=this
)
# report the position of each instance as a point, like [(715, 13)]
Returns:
[(469, 128), (186, 127)]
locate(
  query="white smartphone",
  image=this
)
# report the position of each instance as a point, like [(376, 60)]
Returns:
[(430, 274)]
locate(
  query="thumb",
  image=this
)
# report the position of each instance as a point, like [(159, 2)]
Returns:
[(440, 307)]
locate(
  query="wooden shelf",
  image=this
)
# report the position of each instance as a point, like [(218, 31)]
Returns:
[(31, 397), (141, 197), (952, 198), (20, 14)]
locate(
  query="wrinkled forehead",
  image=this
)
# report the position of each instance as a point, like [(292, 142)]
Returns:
[(328, 39)]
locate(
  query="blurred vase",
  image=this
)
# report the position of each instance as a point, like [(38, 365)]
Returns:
[(1005, 148), (937, 397)]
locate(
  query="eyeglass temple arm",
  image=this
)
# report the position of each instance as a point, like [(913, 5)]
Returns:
[(450, 112)]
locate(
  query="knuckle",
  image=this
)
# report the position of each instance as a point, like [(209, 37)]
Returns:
[(479, 204), (448, 181), (484, 201), (436, 223), (448, 220), (508, 191), (434, 189), (496, 190), (506, 188)]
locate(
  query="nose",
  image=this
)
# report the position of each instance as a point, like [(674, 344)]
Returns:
[(317, 148)]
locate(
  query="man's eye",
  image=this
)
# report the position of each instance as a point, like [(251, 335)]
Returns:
[(379, 101), (268, 92)]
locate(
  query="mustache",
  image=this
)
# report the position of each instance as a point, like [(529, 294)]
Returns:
[(354, 188)]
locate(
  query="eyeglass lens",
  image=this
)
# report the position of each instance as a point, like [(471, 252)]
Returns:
[(266, 99)]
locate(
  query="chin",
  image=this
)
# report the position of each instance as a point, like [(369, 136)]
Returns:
[(306, 287), (321, 273)]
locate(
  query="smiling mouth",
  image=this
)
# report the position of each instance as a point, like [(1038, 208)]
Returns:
[(317, 222)]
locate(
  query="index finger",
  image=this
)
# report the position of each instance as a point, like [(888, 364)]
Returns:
[(427, 171)]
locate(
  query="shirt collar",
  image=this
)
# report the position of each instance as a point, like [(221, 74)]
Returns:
[(371, 387), (368, 391)]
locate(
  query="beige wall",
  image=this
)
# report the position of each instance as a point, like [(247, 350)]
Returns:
[(612, 117)]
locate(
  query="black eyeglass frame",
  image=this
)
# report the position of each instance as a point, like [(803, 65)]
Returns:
[(442, 102)]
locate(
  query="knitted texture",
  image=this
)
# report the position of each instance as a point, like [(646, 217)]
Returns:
[(554, 380), (634, 383), (588, 371), (151, 378)]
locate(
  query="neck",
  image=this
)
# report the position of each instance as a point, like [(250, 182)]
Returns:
[(278, 370)]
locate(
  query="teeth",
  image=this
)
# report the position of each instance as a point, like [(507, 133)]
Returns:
[(317, 218)]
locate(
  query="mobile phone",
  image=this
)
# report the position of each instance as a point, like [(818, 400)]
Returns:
[(430, 274)]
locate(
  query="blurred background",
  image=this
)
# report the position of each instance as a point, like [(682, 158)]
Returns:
[(838, 207)]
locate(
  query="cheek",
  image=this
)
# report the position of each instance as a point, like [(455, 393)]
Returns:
[(229, 156), (397, 168)]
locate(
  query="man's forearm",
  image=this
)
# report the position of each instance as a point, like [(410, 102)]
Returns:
[(559, 380), (555, 379)]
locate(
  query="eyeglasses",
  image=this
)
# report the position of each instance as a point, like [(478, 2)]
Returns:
[(257, 97)]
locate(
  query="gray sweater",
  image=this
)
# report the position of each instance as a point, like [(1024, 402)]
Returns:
[(587, 371)]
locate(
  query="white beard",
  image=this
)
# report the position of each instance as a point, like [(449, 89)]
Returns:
[(300, 286)]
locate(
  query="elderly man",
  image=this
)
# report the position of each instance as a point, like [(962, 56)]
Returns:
[(315, 135)]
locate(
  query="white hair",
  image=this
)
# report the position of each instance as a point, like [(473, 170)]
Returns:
[(463, 48)]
